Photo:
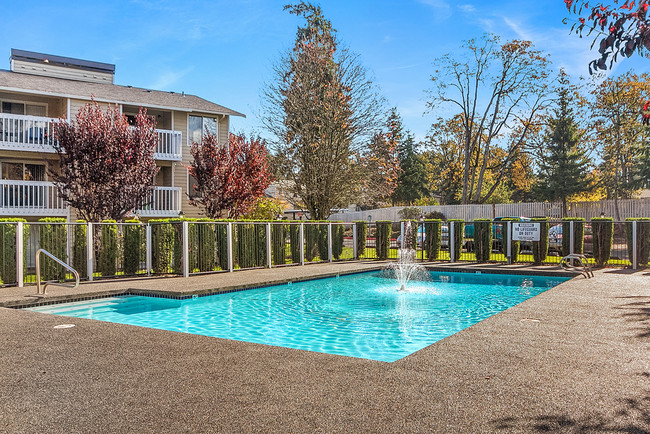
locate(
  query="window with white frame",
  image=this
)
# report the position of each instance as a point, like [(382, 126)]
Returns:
[(22, 108), (198, 126)]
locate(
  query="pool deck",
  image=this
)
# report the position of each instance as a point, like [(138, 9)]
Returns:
[(575, 358)]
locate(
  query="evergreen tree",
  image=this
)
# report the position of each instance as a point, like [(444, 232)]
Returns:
[(564, 167), (412, 181)]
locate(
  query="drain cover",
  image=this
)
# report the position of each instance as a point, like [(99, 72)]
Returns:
[(64, 326)]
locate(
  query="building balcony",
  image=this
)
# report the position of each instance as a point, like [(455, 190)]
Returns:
[(36, 134), (31, 198), (165, 202)]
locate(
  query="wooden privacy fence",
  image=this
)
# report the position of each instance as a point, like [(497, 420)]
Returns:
[(587, 210)]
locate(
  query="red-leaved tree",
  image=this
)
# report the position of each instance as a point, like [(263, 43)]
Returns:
[(229, 178), (106, 165), (621, 29)]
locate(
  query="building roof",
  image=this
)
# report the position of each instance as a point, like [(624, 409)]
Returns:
[(112, 93)]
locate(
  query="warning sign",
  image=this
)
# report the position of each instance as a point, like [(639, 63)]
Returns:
[(525, 231)]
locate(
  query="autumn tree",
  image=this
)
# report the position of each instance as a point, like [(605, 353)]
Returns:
[(322, 110), (381, 164), (230, 177), (107, 166), (619, 28), (621, 135), (498, 90), (564, 167)]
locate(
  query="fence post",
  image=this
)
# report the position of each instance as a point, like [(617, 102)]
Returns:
[(20, 257), (231, 262), (186, 253), (329, 242), (90, 251), (452, 242), (509, 241), (355, 254), (148, 248), (269, 257), (571, 238), (301, 235), (635, 264), (402, 235)]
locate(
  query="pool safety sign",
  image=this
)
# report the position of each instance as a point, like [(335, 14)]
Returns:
[(525, 231)]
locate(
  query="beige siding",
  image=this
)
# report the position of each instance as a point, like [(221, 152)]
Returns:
[(56, 71)]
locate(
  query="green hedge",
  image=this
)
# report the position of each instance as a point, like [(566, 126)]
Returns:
[(432, 238), (483, 239), (323, 247), (382, 239), (250, 244), (80, 248), (515, 246), (221, 235), (312, 234), (295, 241), (642, 239), (53, 237), (362, 234), (279, 243), (540, 248), (109, 248), (162, 245), (8, 251), (134, 246), (206, 244), (578, 235), (459, 232), (337, 240), (603, 236)]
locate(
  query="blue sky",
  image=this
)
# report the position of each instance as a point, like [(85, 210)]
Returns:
[(223, 50)]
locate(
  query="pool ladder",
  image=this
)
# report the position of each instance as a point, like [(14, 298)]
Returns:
[(583, 266), (40, 288)]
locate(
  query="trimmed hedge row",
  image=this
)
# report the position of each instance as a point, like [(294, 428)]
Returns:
[(382, 239), (459, 232), (54, 239), (515, 246), (432, 238), (8, 250), (578, 235), (540, 248), (362, 234), (642, 240), (603, 236), (483, 239)]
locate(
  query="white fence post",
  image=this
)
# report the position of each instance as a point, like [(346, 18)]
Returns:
[(148, 249), (301, 235), (509, 241), (571, 238), (269, 257), (186, 253), (90, 251), (452, 242), (355, 253), (231, 262), (402, 234), (635, 263), (329, 242), (20, 257)]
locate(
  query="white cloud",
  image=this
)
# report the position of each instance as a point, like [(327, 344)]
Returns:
[(169, 78), (467, 8), (441, 7)]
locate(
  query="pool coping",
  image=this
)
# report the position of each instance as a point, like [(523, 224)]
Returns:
[(472, 268)]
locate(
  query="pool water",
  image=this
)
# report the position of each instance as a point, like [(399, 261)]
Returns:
[(361, 315)]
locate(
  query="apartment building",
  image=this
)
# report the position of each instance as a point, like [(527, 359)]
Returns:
[(40, 89)]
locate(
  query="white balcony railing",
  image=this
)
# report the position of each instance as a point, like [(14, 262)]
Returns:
[(30, 198), (166, 202), (35, 133)]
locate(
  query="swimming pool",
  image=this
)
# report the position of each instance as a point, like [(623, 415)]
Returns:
[(361, 315)]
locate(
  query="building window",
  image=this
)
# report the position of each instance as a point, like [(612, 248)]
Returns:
[(19, 108), (192, 191), (198, 126), (22, 171)]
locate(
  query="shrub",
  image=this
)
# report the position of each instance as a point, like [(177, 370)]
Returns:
[(109, 248), (250, 244), (578, 235), (382, 239), (206, 241), (295, 241), (410, 213), (642, 240), (435, 215), (8, 237), (337, 240), (603, 236), (53, 237), (432, 238), (515, 246), (540, 248), (134, 240), (162, 244), (323, 247), (483, 239), (80, 248), (362, 234), (312, 233), (221, 237), (279, 243), (459, 230)]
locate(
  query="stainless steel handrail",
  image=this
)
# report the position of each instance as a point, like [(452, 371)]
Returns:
[(38, 272), (567, 264)]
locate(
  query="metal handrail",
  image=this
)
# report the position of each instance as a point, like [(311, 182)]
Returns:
[(38, 272), (567, 264)]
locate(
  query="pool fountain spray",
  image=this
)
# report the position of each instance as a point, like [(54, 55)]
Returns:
[(406, 269)]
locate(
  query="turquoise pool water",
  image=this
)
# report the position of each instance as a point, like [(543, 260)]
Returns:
[(360, 315)]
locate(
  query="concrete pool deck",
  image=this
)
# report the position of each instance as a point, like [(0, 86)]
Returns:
[(575, 358)]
